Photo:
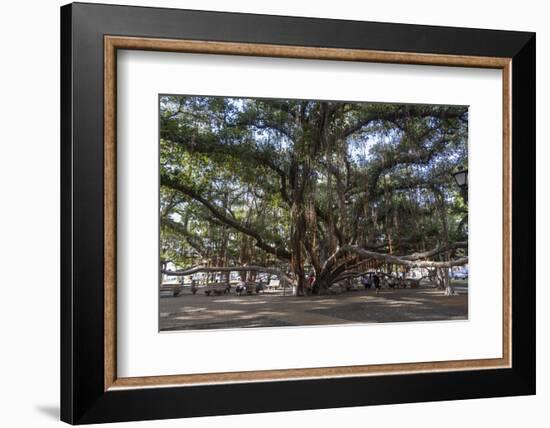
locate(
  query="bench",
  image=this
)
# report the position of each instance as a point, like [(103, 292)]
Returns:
[(249, 288), (217, 290), (274, 283), (175, 289)]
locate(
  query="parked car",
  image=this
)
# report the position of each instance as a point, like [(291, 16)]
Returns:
[(460, 275)]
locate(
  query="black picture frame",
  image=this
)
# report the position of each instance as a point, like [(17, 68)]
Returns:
[(83, 398)]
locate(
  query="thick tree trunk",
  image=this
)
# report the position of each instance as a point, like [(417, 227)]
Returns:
[(296, 243)]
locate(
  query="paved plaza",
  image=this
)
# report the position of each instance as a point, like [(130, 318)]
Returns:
[(273, 309)]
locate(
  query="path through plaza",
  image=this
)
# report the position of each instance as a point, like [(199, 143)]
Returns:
[(197, 312)]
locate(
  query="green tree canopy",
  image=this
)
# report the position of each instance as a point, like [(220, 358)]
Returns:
[(311, 185)]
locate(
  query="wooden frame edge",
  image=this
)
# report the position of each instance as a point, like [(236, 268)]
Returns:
[(109, 198), (507, 213), (112, 43), (301, 52), (299, 374)]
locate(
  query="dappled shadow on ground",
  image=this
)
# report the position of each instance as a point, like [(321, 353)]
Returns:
[(198, 312), (395, 308)]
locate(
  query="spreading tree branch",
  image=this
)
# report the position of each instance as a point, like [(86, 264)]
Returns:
[(217, 213)]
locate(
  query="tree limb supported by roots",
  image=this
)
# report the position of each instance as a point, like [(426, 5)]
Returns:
[(413, 260), (345, 261), (416, 260), (273, 271)]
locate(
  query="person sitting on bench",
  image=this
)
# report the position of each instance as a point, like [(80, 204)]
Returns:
[(240, 288)]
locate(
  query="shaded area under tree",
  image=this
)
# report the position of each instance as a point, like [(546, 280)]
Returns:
[(311, 187)]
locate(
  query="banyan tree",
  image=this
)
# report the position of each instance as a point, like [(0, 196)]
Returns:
[(312, 186)]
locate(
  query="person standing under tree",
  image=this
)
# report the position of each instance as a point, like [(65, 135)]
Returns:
[(376, 281), (310, 282)]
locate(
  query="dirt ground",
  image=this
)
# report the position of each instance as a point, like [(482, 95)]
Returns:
[(272, 309)]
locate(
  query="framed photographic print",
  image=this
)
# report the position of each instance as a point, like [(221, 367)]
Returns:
[(265, 213)]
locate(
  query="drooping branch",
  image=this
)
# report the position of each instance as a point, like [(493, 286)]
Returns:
[(408, 261), (435, 251), (217, 213)]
